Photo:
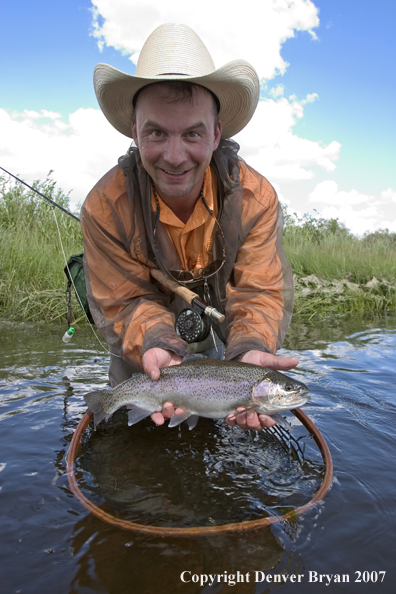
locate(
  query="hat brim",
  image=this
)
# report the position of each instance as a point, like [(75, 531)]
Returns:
[(235, 84)]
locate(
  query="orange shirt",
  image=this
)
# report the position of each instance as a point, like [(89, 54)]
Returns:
[(132, 313), (193, 240)]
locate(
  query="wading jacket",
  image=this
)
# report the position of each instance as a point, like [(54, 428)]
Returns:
[(126, 233)]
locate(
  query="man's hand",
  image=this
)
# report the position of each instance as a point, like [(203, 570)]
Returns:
[(250, 419), (153, 360), (269, 360)]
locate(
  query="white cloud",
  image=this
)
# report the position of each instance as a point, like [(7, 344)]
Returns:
[(277, 91), (327, 192), (359, 221), (254, 31), (359, 212), (269, 145), (83, 148), (79, 151), (389, 195)]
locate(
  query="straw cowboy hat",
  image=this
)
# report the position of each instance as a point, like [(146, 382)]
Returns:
[(175, 52)]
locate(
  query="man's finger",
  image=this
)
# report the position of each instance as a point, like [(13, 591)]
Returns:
[(168, 410), (284, 363), (150, 366), (266, 421), (158, 418), (252, 420)]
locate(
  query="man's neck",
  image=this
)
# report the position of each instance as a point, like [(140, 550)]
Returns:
[(181, 207)]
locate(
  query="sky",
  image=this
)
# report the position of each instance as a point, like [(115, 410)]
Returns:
[(324, 132)]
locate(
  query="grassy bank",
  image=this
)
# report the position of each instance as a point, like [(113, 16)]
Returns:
[(32, 281), (334, 271)]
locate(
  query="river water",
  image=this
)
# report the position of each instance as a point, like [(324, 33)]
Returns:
[(49, 543)]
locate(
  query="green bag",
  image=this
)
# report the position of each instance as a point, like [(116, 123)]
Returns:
[(75, 276)]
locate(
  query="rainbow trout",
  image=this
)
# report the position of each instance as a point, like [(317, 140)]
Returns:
[(202, 388)]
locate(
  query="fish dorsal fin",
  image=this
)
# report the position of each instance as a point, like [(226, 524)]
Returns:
[(194, 357), (134, 376)]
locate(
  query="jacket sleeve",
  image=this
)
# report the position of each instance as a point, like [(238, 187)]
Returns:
[(128, 308), (259, 293)]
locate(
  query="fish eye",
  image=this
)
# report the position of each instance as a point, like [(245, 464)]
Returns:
[(288, 388)]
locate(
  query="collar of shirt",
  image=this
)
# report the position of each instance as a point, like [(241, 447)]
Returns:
[(193, 240), (200, 215)]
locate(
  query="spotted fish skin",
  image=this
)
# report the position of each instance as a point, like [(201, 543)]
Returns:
[(202, 387)]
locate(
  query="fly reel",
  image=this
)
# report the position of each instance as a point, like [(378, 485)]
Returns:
[(191, 326)]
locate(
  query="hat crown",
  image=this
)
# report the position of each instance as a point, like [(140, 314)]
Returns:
[(174, 49)]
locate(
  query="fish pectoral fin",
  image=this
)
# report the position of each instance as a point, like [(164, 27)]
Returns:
[(277, 417), (241, 412), (136, 414), (177, 419), (281, 421), (192, 421)]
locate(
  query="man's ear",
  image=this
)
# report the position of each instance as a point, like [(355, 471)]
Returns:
[(134, 133), (217, 136)]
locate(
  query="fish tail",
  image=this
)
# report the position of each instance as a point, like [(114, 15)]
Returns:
[(94, 402)]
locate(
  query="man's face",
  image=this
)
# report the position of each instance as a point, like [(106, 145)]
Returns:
[(176, 140)]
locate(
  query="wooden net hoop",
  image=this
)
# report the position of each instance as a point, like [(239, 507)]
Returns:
[(201, 530)]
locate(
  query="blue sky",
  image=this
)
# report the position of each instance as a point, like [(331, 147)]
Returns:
[(353, 70), (325, 130)]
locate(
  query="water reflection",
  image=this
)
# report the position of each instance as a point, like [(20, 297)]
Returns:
[(215, 475), (349, 367), (154, 564)]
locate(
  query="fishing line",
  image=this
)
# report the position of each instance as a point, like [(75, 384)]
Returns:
[(63, 252)]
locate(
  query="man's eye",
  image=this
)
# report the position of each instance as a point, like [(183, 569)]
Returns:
[(193, 134), (156, 133)]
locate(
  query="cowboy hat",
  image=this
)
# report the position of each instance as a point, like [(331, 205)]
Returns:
[(175, 52)]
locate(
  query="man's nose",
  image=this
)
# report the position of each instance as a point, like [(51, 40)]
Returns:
[(174, 152)]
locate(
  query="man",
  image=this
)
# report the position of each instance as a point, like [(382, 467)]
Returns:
[(182, 201)]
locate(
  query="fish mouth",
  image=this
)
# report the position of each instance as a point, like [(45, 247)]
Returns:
[(294, 400), (291, 400), (299, 396)]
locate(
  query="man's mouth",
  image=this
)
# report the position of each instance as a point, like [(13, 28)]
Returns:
[(174, 173)]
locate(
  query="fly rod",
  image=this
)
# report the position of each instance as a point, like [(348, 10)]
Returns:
[(42, 195)]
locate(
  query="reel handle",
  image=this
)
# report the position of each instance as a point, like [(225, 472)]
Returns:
[(189, 296)]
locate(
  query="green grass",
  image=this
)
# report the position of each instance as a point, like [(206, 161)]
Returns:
[(32, 281), (344, 264), (340, 257)]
